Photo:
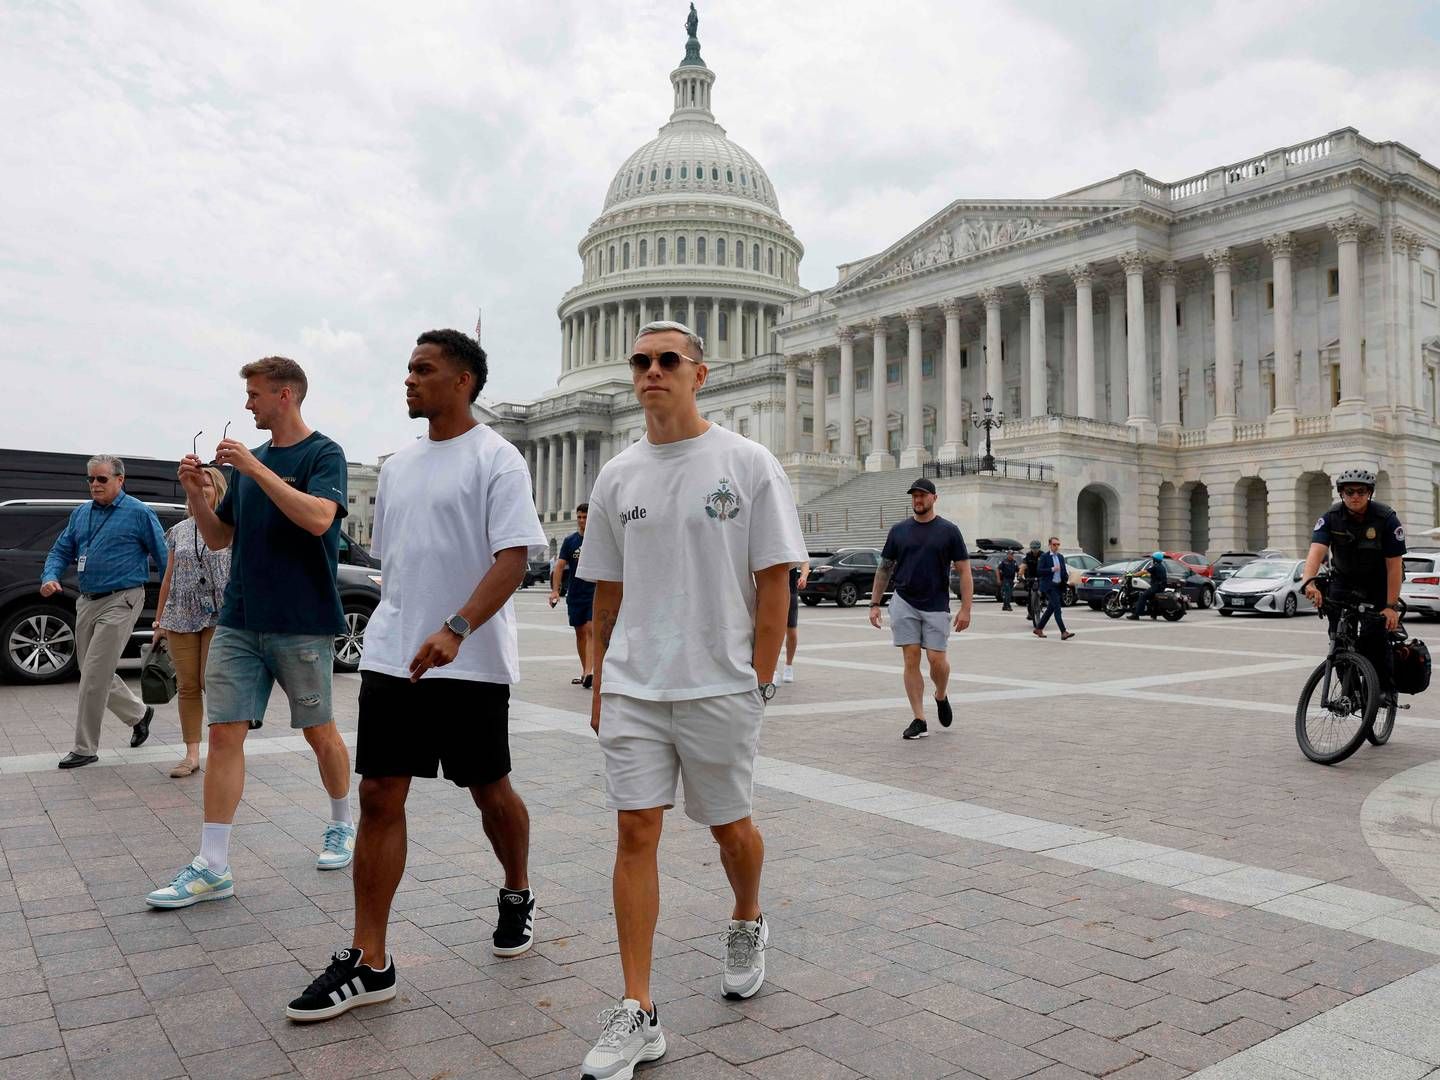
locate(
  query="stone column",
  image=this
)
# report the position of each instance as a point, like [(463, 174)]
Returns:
[(1416, 359), (564, 345), (1282, 248), (1224, 422), (644, 314), (1119, 360), (587, 343), (580, 447), (548, 502), (1169, 351), (607, 451), (1038, 374), (567, 476), (994, 371), (817, 409), (846, 335), (712, 345), (1137, 368), (792, 404), (1084, 342), (668, 316), (1067, 357), (914, 452), (1347, 232), (954, 445), (879, 416), (530, 465)]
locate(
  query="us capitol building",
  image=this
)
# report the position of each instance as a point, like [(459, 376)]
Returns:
[(1183, 364)]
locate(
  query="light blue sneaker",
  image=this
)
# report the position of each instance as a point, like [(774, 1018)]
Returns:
[(338, 849), (194, 883)]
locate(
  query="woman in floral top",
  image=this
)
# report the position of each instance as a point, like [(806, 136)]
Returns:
[(186, 614)]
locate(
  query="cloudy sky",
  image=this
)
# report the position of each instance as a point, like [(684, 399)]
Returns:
[(188, 185)]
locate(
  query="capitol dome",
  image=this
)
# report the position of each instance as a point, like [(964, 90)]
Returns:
[(690, 230)]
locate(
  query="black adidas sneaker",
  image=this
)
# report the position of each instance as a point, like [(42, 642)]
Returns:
[(345, 984), (515, 928)]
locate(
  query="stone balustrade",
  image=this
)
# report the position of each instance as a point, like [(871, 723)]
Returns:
[(1249, 432)]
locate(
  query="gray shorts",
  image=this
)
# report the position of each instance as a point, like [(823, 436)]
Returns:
[(711, 742), (930, 629)]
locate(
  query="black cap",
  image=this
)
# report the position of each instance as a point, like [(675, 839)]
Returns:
[(923, 484)]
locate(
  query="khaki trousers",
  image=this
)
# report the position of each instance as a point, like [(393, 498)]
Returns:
[(188, 651), (102, 629)]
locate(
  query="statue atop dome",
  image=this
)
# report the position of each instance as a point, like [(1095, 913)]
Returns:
[(692, 43)]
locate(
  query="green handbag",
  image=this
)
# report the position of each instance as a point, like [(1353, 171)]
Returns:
[(158, 684)]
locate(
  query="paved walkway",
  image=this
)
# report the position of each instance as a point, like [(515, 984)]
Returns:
[(1116, 864)]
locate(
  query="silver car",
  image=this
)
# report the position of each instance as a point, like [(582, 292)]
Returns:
[(1271, 586)]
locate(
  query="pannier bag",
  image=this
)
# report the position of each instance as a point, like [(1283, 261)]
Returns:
[(1412, 667)]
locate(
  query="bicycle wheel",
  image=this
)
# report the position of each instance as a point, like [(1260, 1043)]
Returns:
[(1380, 730), (1330, 731)]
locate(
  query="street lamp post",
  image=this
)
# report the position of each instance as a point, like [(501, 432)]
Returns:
[(987, 423)]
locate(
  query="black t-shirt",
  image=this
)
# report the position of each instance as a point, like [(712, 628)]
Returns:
[(282, 578), (922, 552), (1032, 562), (1008, 568), (578, 591), (1360, 546)]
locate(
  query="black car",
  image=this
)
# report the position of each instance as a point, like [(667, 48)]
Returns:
[(537, 572), (985, 573), (37, 634), (844, 576), (1097, 584), (1229, 562)]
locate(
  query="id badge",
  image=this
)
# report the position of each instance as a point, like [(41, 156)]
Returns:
[(80, 565)]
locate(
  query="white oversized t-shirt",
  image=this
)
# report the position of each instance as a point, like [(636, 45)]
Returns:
[(684, 525), (442, 511)]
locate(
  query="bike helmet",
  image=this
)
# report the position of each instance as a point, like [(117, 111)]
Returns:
[(1356, 476), (1411, 667), (1157, 555), (1034, 545)]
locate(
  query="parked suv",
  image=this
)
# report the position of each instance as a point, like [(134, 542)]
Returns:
[(537, 572), (844, 576), (37, 633)]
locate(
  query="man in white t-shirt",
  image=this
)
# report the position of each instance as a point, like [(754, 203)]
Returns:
[(695, 528), (454, 526)]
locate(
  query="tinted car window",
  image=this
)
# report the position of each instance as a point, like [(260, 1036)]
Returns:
[(30, 529), (1419, 566)]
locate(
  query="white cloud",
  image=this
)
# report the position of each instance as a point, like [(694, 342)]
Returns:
[(187, 187)]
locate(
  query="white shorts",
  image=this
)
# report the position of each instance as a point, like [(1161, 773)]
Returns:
[(910, 626), (711, 742)]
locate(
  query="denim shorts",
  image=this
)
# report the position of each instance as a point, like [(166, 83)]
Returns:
[(244, 666)]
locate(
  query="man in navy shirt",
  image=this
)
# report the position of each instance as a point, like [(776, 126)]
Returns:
[(918, 555), (1052, 574), (579, 595), (281, 520), (110, 541)]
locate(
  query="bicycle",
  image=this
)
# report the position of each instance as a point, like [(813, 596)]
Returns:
[(1350, 696)]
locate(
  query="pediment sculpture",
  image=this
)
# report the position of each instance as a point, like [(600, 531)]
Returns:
[(965, 237)]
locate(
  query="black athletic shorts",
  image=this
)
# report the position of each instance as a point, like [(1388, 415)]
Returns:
[(792, 620), (414, 729)]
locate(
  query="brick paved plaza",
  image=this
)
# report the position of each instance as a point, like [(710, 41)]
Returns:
[(1117, 864)]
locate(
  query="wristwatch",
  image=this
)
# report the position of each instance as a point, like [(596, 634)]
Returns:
[(767, 691), (458, 625)]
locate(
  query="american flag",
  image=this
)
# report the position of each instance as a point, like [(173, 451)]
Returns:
[(478, 315)]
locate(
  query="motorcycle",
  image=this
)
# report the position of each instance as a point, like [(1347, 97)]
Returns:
[(1169, 603)]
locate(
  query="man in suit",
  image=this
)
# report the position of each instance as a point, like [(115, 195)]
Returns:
[(1051, 576)]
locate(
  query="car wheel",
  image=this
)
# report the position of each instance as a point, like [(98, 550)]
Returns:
[(1290, 605), (350, 646), (847, 594), (810, 601), (1068, 599), (1206, 598), (37, 644), (1096, 605)]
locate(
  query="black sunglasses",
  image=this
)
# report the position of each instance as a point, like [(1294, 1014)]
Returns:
[(99, 479), (1354, 491), (669, 361)]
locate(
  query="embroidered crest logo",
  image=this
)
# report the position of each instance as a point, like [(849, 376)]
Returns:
[(722, 503)]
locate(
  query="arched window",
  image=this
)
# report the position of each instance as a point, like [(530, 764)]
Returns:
[(739, 254), (639, 177), (755, 257), (700, 250), (667, 172), (724, 324), (684, 172), (660, 252), (729, 176), (720, 251), (714, 173), (625, 256), (770, 260), (679, 250), (652, 174), (612, 258), (744, 180), (627, 182), (644, 254)]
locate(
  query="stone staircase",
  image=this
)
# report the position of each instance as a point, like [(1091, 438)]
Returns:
[(858, 512)]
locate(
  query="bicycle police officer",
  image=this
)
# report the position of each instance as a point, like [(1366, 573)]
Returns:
[(1366, 542)]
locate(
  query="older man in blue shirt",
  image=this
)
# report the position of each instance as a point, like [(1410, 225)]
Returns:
[(110, 541)]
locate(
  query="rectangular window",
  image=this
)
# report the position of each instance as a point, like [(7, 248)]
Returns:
[(862, 445), (1269, 296), (893, 442), (744, 426), (700, 251), (929, 438), (927, 367), (1179, 314), (892, 373), (1334, 385), (724, 334), (862, 378), (1332, 281), (1427, 286), (720, 252), (807, 425), (832, 384), (1270, 391)]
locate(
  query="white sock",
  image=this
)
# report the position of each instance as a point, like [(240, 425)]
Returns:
[(340, 811), (215, 846)]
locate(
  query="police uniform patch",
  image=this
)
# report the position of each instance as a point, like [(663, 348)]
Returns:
[(1399, 532), (1370, 533), (1320, 523)]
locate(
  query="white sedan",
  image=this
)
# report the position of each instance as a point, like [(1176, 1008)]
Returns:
[(1420, 588), (1265, 585)]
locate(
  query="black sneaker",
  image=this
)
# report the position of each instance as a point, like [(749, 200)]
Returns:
[(515, 928), (942, 706), (345, 984), (141, 731), (916, 730)]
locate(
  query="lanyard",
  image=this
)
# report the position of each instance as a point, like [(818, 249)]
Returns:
[(96, 530)]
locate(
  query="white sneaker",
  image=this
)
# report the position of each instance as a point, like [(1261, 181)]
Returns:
[(788, 675), (627, 1037), (744, 958), (338, 848)]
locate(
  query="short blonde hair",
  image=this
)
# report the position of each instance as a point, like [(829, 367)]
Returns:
[(280, 371), (217, 478)]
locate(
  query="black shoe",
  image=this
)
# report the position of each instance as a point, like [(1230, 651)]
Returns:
[(942, 706), (345, 984), (141, 731), (588, 682), (1007, 607), (1133, 618), (73, 760), (916, 730), (515, 928)]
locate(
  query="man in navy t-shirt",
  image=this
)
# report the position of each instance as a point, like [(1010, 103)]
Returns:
[(917, 558), (281, 520), (579, 595)]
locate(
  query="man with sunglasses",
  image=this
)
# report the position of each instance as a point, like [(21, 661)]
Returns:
[(111, 541), (691, 537), (1366, 545)]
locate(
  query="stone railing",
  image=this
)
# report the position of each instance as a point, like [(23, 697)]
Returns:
[(817, 459), (1307, 152), (1032, 426), (1191, 437), (1215, 183), (1249, 432), (1313, 425)]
